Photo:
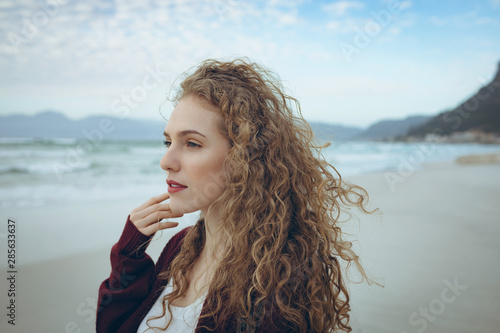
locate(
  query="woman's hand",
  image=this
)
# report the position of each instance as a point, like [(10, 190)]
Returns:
[(147, 216)]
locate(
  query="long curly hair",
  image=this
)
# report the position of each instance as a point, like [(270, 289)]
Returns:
[(282, 210)]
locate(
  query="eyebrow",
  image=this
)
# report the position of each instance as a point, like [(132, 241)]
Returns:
[(185, 132)]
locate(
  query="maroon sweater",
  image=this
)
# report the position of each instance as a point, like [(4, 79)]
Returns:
[(132, 288)]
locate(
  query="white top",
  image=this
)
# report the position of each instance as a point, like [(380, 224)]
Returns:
[(184, 319)]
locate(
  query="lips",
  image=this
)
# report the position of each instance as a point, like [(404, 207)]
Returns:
[(174, 186), (171, 182)]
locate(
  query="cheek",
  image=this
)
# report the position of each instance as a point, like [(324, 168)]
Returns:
[(211, 182), (211, 178)]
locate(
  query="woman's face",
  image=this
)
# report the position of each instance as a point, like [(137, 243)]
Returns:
[(195, 155)]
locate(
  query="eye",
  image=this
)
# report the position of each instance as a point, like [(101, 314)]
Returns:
[(190, 144)]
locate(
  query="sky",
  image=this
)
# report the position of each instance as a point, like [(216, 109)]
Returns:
[(348, 62)]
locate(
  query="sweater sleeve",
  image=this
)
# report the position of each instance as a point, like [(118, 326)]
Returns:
[(131, 279), (127, 293)]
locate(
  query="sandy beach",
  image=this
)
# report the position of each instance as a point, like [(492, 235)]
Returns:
[(434, 248)]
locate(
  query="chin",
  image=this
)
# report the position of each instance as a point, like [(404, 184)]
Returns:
[(181, 208)]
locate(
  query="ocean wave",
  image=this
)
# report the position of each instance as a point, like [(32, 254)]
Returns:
[(152, 151), (88, 190), (62, 141), (7, 141), (367, 157), (31, 153), (38, 141), (39, 169)]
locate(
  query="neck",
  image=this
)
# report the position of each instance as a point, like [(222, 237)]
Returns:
[(212, 249)]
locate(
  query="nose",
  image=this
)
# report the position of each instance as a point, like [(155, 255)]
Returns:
[(170, 160)]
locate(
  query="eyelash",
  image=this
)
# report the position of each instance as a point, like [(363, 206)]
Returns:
[(190, 144)]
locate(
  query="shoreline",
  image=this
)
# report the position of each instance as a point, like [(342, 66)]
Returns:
[(437, 229)]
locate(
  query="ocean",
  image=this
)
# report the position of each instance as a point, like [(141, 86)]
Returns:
[(35, 172)]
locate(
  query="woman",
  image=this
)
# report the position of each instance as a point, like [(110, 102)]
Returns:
[(264, 255)]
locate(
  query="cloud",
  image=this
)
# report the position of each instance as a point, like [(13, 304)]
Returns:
[(464, 20), (347, 25), (340, 8), (401, 4), (110, 43), (96, 50), (351, 24)]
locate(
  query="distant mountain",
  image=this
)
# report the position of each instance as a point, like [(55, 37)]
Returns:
[(52, 124), (480, 113), (391, 128), (330, 132)]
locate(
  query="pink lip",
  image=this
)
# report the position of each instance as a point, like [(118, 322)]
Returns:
[(174, 189), (173, 182)]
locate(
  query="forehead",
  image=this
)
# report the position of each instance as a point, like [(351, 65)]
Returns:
[(193, 113)]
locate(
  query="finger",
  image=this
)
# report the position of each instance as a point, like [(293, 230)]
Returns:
[(142, 220), (155, 217), (152, 201), (149, 210), (159, 226)]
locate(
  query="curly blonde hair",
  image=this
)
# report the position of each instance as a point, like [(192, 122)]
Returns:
[(281, 211)]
